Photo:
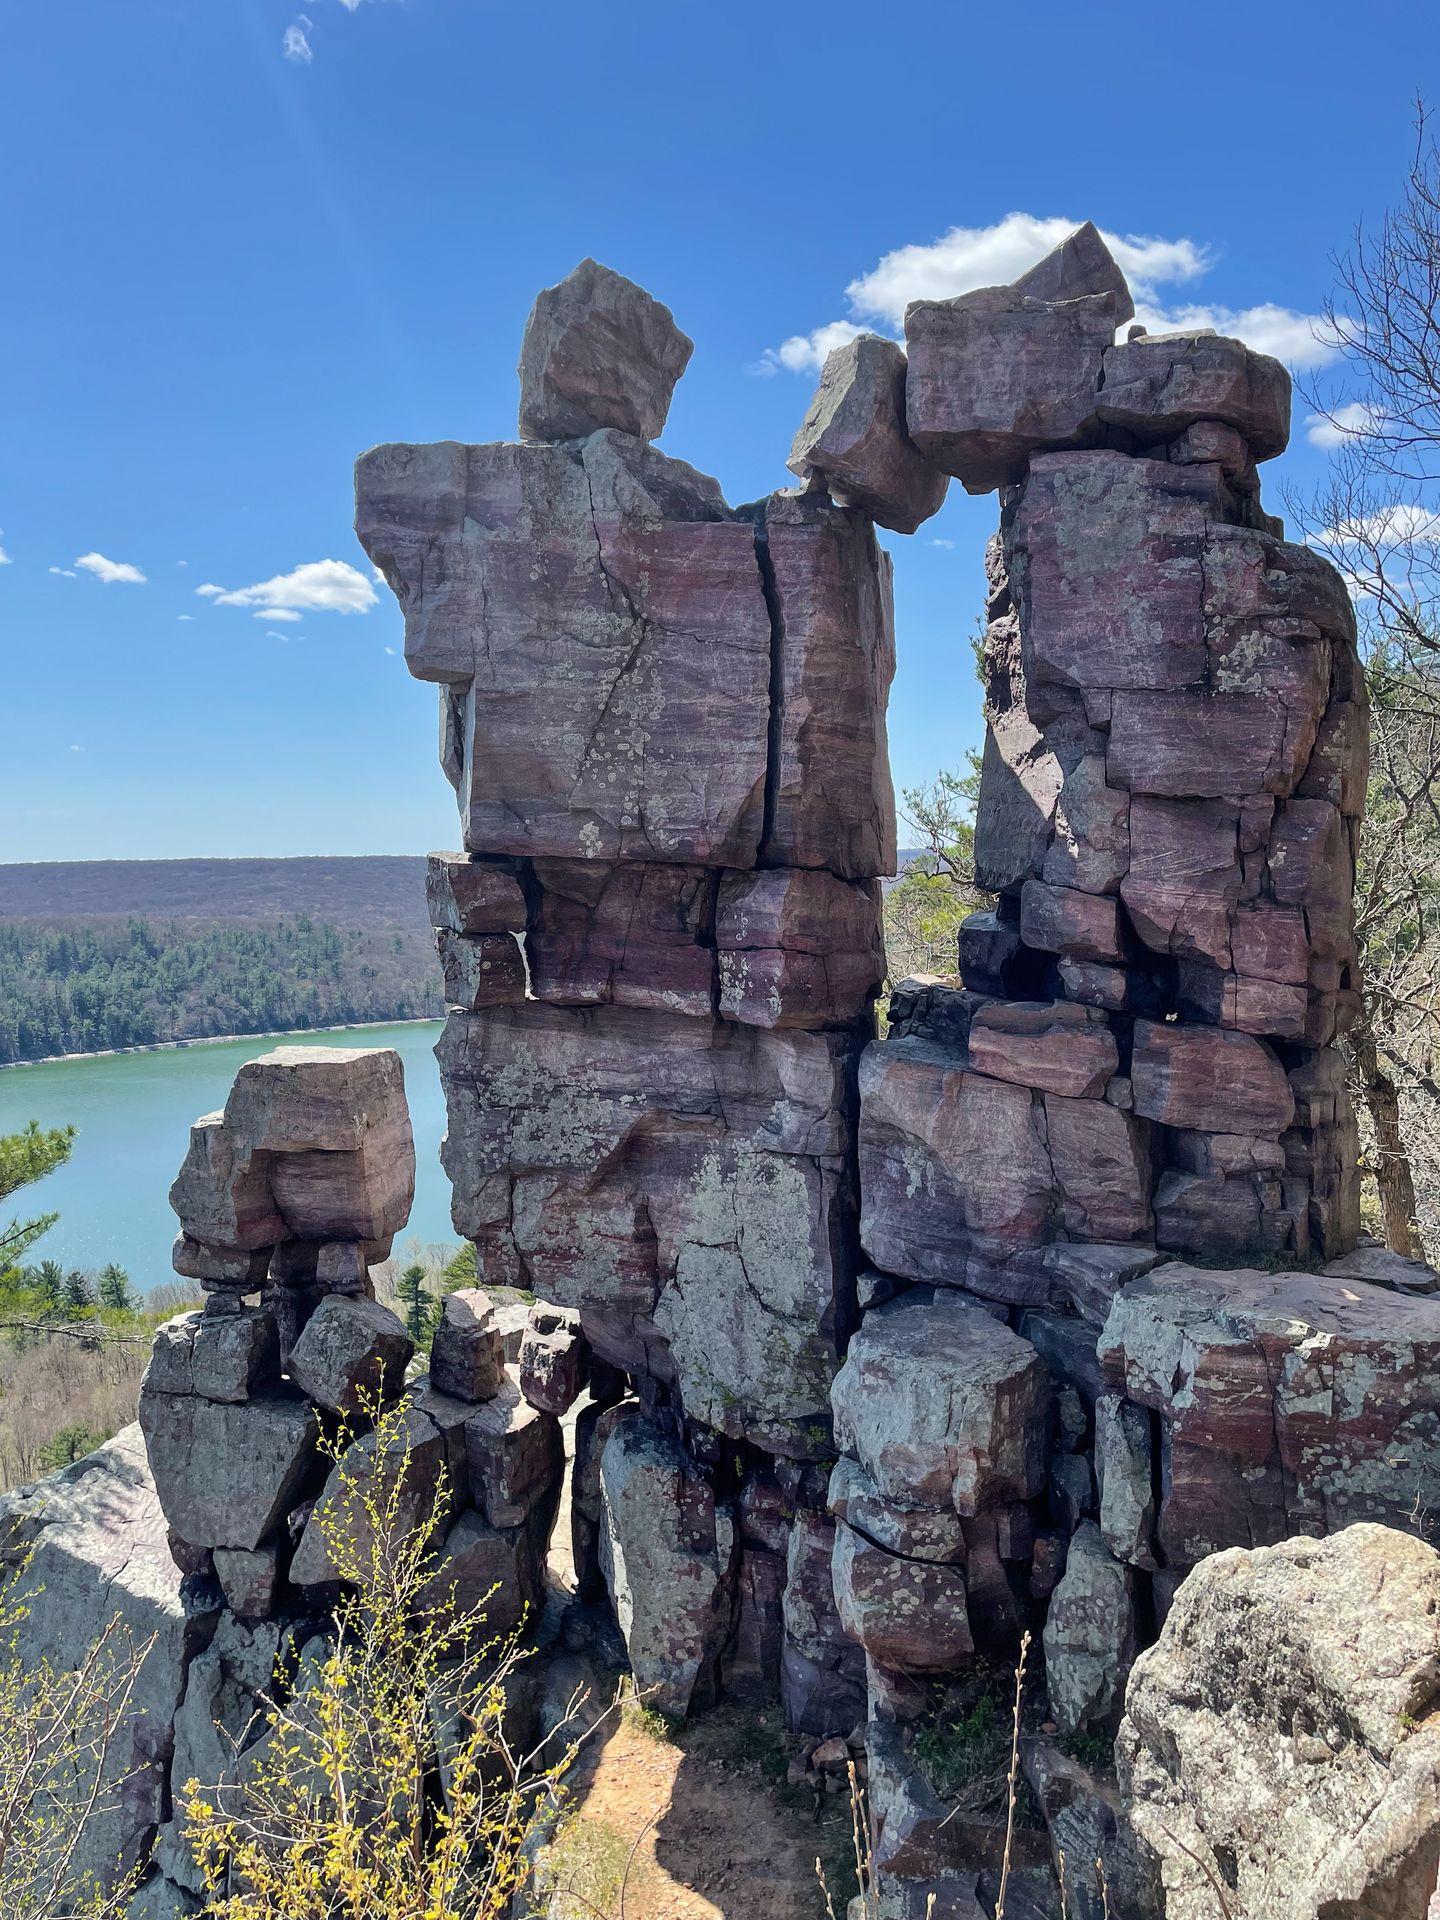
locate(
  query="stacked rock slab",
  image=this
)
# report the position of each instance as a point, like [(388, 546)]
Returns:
[(664, 720), (267, 1525)]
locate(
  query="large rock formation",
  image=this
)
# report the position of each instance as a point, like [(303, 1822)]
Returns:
[(892, 1346)]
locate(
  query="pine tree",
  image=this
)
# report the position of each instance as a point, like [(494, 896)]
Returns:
[(79, 1295), (24, 1158), (114, 1290), (417, 1301)]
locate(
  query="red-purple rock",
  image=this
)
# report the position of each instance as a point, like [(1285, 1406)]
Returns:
[(853, 438), (907, 1614), (1190, 1076), (598, 351), (682, 1183), (1081, 264), (1184, 876), (598, 622), (1161, 384), (473, 896), (1104, 556), (1188, 744), (554, 1359), (798, 948), (626, 934), (1082, 926), (1288, 1402), (480, 969), (833, 804), (1049, 1045), (995, 375), (1091, 847)]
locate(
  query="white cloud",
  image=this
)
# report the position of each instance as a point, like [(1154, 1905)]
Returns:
[(5, 560), (296, 43), (319, 586), (75, 749), (112, 572), (1345, 423), (182, 563), (184, 616), (943, 543), (276, 613), (285, 637), (1389, 527), (969, 257), (66, 573), (390, 650)]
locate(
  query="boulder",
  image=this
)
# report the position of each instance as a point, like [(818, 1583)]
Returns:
[(1125, 1472), (1288, 1402), (831, 799), (1201, 1077), (486, 1574), (248, 1580), (351, 1357), (554, 1359), (514, 1455), (797, 948), (396, 1480), (918, 1533), (822, 1675), (1049, 1045), (669, 1553), (1279, 1738), (995, 376), (853, 437), (1091, 847), (625, 934), (1090, 1636), (598, 352), (474, 896), (906, 1614), (1164, 383), (467, 1353), (1081, 264), (226, 1475), (1081, 926), (480, 970), (1092, 1847), (220, 1356), (97, 1537), (943, 1406), (581, 700), (681, 1183)]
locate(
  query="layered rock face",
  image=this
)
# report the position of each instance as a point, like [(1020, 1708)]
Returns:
[(664, 719), (894, 1348)]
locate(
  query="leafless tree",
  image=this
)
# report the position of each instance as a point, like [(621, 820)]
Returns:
[(1378, 518)]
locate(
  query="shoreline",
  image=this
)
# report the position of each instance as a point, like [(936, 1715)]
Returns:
[(221, 1040)]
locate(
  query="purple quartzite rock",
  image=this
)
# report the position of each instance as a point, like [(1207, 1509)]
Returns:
[(822, 1676), (480, 970), (683, 1183), (583, 695), (798, 948), (907, 1614), (943, 1406), (1189, 1076), (854, 437), (352, 1355), (1289, 1402), (554, 1359), (995, 376), (832, 801), (467, 1355), (628, 934), (598, 352), (473, 896), (1160, 385), (1049, 1045)]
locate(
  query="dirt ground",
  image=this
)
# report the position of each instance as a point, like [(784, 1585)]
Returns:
[(698, 1825)]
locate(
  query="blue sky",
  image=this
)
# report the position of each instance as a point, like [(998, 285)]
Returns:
[(248, 239)]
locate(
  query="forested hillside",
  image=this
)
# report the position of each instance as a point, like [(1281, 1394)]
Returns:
[(84, 986)]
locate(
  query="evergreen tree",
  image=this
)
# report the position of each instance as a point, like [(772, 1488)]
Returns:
[(418, 1303), (47, 1281), (114, 1290), (78, 1295), (25, 1158)]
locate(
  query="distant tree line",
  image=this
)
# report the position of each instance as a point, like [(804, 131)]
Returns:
[(87, 986)]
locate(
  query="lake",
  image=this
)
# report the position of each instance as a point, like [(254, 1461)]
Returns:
[(132, 1112)]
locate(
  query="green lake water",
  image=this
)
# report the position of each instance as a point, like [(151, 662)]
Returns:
[(133, 1113)]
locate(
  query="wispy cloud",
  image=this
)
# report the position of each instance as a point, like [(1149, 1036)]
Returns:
[(5, 560), (1403, 524), (969, 257), (66, 573), (184, 616), (112, 572), (295, 44), (1350, 422), (319, 586)]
